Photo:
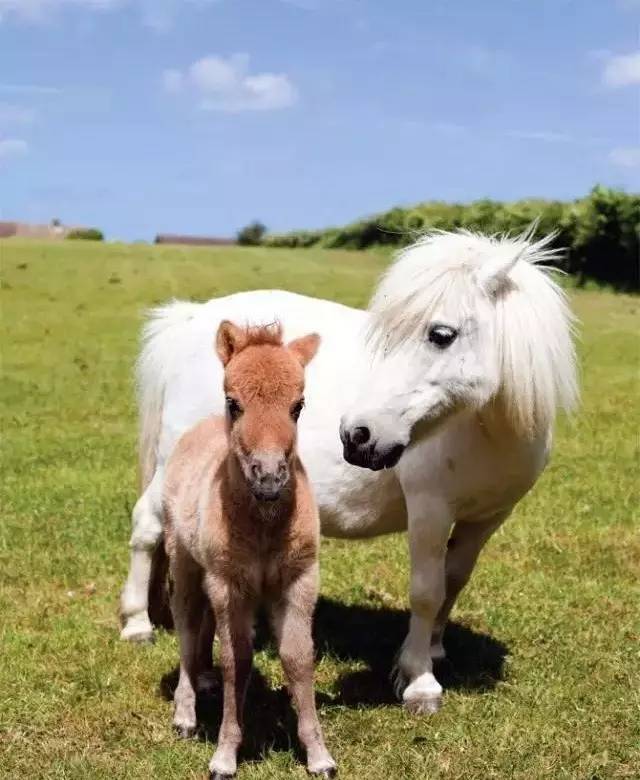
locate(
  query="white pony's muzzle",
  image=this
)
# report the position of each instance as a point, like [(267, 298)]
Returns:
[(372, 443)]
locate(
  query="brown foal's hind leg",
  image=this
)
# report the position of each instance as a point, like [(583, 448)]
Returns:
[(234, 624), (292, 619), (205, 649), (188, 603)]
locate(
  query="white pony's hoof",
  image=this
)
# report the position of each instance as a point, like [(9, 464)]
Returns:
[(422, 705), (137, 628), (326, 774), (185, 731), (325, 768), (423, 696), (221, 767)]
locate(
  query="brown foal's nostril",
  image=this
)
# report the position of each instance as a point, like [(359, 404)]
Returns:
[(269, 474)]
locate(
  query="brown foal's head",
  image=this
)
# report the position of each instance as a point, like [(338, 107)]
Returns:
[(264, 386)]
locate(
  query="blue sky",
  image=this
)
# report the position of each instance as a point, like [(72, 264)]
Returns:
[(145, 116)]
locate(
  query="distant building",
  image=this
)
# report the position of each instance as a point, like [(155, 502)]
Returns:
[(52, 231), (170, 238), (8, 229)]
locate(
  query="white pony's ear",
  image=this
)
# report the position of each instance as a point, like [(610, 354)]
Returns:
[(493, 274)]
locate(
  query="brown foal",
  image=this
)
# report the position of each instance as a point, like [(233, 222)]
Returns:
[(241, 527)]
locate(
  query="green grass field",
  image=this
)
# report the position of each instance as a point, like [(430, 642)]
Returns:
[(542, 680)]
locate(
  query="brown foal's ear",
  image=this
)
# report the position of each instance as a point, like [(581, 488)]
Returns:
[(305, 348), (230, 339)]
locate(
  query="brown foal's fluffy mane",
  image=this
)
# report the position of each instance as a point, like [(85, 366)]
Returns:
[(261, 335)]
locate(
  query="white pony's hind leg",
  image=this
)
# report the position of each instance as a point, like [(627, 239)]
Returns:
[(145, 536), (465, 544)]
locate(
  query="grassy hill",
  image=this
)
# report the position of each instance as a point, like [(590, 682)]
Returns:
[(542, 676)]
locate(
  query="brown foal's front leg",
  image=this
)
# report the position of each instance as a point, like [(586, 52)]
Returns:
[(234, 624), (292, 620)]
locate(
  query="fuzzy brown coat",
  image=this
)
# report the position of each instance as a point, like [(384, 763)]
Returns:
[(230, 549)]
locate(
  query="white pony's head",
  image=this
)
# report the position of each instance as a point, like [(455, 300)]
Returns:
[(459, 320)]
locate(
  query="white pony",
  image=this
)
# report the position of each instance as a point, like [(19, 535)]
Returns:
[(445, 391)]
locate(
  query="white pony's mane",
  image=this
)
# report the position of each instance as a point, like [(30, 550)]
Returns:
[(533, 322)]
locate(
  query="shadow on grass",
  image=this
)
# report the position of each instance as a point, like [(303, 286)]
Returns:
[(356, 633), (269, 719), (373, 635)]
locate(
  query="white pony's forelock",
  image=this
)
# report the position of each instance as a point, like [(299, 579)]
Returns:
[(533, 322)]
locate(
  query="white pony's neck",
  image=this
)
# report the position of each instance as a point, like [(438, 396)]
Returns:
[(532, 320)]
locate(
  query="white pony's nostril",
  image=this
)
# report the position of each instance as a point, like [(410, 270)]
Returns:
[(360, 435)]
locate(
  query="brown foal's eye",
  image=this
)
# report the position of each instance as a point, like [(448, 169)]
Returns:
[(233, 408), (296, 409)]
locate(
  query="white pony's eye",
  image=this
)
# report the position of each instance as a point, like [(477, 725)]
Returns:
[(442, 336)]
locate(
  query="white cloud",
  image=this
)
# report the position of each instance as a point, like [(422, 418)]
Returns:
[(227, 85), (12, 147), (215, 74), (626, 156), (622, 70), (15, 115)]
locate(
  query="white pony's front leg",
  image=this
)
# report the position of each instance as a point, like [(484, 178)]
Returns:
[(145, 536), (429, 528)]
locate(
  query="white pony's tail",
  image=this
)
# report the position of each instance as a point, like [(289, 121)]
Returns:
[(160, 340), (161, 337)]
